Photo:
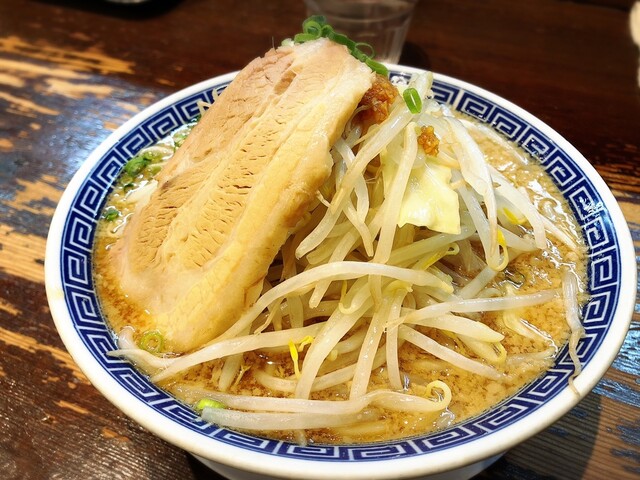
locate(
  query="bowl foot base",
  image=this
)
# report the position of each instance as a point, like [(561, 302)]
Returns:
[(463, 473)]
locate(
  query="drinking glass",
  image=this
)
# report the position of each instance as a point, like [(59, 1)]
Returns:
[(383, 24)]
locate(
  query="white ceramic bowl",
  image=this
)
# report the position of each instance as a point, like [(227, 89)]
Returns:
[(464, 448)]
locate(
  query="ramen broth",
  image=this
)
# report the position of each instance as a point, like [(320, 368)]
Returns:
[(471, 394)]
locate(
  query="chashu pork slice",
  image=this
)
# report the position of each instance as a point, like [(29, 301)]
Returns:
[(194, 256)]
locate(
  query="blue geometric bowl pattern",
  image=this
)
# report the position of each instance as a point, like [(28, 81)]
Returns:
[(603, 272)]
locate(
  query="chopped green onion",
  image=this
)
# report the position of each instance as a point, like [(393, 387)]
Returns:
[(151, 155), (178, 140), (208, 403), (316, 26), (134, 166), (180, 135), (152, 342), (363, 46), (377, 67), (327, 31), (360, 55), (342, 40), (304, 37), (412, 99), (110, 213), (154, 169)]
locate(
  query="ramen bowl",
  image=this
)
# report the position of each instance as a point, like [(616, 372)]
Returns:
[(458, 451)]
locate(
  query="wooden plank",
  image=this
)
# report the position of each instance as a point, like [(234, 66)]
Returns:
[(71, 72)]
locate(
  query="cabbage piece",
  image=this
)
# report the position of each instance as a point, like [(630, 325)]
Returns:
[(429, 200)]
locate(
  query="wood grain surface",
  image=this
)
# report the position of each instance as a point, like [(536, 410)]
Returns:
[(73, 71)]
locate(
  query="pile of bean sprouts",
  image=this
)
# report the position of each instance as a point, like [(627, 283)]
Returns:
[(351, 286)]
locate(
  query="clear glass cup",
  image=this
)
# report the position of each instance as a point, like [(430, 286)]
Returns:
[(383, 24)]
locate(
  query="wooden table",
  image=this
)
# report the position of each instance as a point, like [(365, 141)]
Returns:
[(72, 71)]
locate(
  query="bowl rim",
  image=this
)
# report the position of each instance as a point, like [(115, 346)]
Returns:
[(259, 462)]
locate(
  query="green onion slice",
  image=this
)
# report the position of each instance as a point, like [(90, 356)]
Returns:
[(327, 31), (208, 403), (110, 213), (377, 67), (342, 40), (304, 37), (363, 47), (316, 26), (413, 100), (134, 166), (152, 341)]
